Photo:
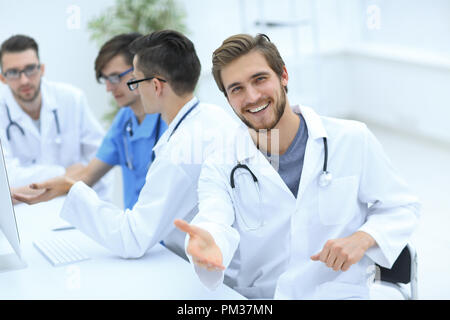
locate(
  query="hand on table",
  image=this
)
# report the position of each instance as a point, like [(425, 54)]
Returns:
[(25, 190), (45, 191), (202, 247)]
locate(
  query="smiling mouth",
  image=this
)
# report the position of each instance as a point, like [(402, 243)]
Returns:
[(26, 89), (260, 108)]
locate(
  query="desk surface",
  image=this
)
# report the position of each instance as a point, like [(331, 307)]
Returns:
[(160, 274)]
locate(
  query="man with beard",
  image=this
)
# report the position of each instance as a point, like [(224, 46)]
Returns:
[(131, 137), (296, 231), (46, 128), (166, 70)]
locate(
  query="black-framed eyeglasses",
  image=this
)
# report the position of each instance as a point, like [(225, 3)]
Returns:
[(133, 84), (29, 71), (114, 78)]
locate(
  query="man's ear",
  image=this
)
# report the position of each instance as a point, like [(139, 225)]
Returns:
[(158, 85), (284, 77), (42, 70)]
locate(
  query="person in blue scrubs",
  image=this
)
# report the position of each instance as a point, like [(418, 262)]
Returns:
[(129, 143), (130, 139)]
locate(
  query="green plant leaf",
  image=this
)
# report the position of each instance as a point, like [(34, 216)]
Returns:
[(144, 16)]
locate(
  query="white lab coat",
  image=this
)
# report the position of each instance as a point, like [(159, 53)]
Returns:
[(274, 261), (170, 190), (37, 156)]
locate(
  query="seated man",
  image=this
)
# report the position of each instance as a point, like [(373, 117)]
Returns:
[(46, 128), (166, 71), (311, 227), (132, 136)]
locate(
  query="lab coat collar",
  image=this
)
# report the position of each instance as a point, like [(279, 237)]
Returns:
[(316, 130), (246, 148), (19, 116), (48, 121), (16, 112), (48, 100), (165, 137)]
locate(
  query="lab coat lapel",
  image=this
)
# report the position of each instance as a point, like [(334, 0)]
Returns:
[(164, 139), (314, 153), (48, 124)]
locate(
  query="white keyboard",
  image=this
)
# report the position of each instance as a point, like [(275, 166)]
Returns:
[(59, 251)]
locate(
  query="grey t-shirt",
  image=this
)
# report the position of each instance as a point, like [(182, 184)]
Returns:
[(37, 123), (290, 164)]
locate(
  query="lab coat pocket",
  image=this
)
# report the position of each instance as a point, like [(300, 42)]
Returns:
[(247, 202), (338, 200), (335, 290)]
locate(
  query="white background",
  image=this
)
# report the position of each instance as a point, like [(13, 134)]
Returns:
[(386, 62)]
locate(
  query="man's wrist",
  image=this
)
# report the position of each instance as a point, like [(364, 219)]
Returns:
[(366, 239), (69, 182)]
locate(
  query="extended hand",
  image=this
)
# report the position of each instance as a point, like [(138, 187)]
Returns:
[(25, 190), (202, 247), (46, 190), (340, 254)]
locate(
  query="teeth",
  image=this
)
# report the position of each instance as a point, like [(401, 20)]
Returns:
[(259, 108)]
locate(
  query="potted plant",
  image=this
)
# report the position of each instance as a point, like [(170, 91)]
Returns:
[(144, 16)]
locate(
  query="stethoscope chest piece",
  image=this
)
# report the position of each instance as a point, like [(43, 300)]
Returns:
[(325, 179)]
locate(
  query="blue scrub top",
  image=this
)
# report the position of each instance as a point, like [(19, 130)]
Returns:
[(136, 144)]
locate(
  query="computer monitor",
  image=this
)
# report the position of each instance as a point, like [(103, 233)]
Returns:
[(9, 234)]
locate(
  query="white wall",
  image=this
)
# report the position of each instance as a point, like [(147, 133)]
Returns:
[(391, 66), (64, 45)]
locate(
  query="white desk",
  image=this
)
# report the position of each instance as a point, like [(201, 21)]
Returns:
[(160, 274)]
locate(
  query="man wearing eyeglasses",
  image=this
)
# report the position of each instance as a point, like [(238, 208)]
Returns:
[(166, 72), (131, 137), (46, 128)]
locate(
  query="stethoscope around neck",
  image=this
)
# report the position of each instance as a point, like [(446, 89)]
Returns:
[(13, 123), (128, 132), (325, 180)]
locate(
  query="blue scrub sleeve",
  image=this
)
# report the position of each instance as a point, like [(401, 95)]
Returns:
[(108, 151)]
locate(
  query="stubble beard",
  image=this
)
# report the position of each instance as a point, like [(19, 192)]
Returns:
[(279, 111)]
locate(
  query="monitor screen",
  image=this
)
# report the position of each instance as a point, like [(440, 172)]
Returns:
[(8, 224)]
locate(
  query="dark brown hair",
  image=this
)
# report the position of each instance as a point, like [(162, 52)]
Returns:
[(239, 45), (118, 45), (171, 55), (18, 43)]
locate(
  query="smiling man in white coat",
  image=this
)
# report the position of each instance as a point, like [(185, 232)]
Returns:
[(306, 205), (46, 128)]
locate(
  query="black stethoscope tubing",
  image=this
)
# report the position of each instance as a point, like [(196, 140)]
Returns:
[(13, 123), (182, 118), (129, 130), (243, 166)]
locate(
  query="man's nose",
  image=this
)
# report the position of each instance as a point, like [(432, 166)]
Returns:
[(253, 95), (109, 86), (23, 78)]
